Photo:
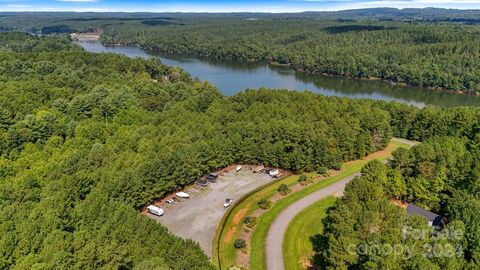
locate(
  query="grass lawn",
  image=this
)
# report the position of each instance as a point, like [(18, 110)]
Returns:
[(223, 249), (297, 247), (223, 242)]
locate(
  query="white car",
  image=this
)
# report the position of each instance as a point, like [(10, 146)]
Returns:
[(227, 203), (155, 210)]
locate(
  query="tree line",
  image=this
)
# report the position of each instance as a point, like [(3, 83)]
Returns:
[(426, 54)]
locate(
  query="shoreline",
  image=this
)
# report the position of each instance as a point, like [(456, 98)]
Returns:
[(298, 69)]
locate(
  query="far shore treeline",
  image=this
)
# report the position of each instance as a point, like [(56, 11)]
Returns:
[(431, 55), (88, 139), (431, 48)]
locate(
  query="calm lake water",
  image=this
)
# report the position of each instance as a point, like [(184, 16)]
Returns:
[(232, 77)]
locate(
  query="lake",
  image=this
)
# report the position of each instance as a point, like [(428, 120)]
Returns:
[(231, 77)]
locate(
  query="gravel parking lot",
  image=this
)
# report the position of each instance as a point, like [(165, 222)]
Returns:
[(197, 218)]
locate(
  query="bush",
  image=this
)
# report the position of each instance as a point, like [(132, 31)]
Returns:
[(304, 180), (322, 170), (284, 189), (265, 204), (240, 244), (337, 166), (250, 222)]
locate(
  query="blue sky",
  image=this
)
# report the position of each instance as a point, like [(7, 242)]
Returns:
[(224, 6)]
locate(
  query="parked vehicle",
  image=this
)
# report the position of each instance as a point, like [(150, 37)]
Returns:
[(273, 173), (169, 201), (182, 195), (155, 210), (239, 168), (227, 203), (201, 182), (211, 177), (258, 168)]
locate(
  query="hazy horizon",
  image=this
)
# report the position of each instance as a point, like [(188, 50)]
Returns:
[(217, 6)]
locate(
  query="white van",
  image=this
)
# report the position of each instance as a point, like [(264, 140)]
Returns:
[(155, 210)]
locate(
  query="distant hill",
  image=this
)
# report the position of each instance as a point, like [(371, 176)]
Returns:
[(74, 21)]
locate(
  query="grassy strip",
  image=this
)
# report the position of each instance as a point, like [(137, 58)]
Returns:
[(297, 247), (258, 256), (224, 254)]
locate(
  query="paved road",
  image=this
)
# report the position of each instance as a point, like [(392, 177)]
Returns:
[(277, 230), (274, 244)]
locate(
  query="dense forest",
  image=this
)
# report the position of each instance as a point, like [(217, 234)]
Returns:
[(87, 139), (437, 55), (442, 175)]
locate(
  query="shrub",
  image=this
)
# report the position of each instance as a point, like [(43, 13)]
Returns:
[(240, 243), (322, 170), (265, 204), (304, 180), (284, 189), (337, 166), (250, 222)]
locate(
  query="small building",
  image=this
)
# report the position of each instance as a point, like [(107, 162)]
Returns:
[(434, 220)]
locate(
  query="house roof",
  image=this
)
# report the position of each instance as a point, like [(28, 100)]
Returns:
[(430, 216)]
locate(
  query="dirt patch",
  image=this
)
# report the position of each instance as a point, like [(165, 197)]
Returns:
[(243, 256), (399, 203), (376, 155), (306, 263), (239, 216), (229, 236), (236, 219)]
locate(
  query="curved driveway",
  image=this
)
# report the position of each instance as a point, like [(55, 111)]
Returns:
[(274, 242), (277, 230)]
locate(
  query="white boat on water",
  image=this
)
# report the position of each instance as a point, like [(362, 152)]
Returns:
[(182, 195)]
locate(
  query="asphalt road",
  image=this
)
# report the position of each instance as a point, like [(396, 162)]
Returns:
[(274, 242), (277, 230)]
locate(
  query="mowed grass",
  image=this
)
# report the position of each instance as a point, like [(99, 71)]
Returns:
[(223, 244), (225, 255), (257, 255), (297, 246)]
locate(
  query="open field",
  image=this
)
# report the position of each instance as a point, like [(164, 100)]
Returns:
[(197, 218), (298, 251)]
